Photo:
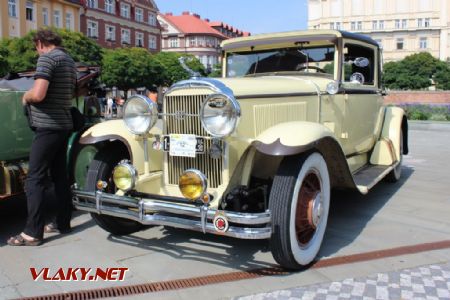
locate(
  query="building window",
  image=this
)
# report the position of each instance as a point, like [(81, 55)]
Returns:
[(419, 22), (397, 24), (109, 6), (210, 42), (173, 42), (125, 10), (92, 3), (400, 44), (336, 25), (201, 41), (12, 8), (353, 25), (92, 29), (205, 61), (29, 11), (139, 39), (426, 22), (152, 19), (423, 43), (110, 33), (404, 23), (45, 16), (192, 41), (68, 21), (139, 14), (359, 27), (381, 24), (125, 36), (57, 18), (374, 24), (152, 42)]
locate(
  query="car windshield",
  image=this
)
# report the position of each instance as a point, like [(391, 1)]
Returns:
[(318, 59)]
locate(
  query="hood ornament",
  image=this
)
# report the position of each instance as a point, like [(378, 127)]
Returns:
[(191, 72)]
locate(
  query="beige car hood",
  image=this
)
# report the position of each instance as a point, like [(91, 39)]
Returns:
[(275, 84)]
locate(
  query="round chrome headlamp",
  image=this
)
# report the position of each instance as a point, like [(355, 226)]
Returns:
[(124, 176), (140, 114), (192, 184), (220, 115)]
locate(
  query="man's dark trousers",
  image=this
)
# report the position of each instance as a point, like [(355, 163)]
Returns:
[(48, 153)]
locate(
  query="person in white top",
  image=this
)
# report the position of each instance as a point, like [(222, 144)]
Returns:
[(109, 108)]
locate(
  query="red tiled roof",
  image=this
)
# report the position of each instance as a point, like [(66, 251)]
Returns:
[(191, 23), (229, 28)]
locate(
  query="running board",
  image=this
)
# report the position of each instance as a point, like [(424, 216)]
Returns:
[(368, 176)]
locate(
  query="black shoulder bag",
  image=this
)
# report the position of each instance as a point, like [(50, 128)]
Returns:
[(78, 118)]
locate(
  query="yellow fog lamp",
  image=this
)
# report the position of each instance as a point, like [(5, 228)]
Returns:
[(101, 185), (193, 184), (124, 176)]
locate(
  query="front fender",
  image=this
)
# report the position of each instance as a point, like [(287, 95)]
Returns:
[(115, 130), (290, 138)]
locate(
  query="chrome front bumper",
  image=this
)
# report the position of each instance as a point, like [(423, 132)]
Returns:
[(158, 212)]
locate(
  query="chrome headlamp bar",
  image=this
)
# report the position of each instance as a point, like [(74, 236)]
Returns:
[(210, 115)]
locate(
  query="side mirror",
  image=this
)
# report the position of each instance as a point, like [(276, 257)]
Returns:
[(361, 62)]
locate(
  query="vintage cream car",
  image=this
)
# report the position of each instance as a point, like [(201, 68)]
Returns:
[(252, 155)]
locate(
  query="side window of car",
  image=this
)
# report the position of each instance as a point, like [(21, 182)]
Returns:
[(359, 64)]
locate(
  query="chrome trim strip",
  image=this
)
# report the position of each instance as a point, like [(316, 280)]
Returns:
[(94, 202)]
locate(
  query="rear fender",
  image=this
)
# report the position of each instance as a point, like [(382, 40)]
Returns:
[(387, 149)]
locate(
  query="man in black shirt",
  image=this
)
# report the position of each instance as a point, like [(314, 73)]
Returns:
[(49, 103)]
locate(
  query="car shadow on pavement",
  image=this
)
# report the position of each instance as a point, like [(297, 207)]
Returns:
[(350, 212), (207, 248)]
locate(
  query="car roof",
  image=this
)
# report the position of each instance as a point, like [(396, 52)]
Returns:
[(294, 36)]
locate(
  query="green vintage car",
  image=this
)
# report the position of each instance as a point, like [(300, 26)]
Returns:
[(16, 135), (252, 155)]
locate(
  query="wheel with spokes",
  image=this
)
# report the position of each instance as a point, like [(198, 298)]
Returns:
[(299, 203)]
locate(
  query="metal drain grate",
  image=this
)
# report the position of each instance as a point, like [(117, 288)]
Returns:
[(235, 276), (161, 286)]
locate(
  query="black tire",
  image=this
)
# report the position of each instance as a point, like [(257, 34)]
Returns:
[(101, 169), (396, 173), (299, 203)]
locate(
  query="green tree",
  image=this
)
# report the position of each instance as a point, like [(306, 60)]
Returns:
[(21, 53), (81, 48), (173, 71), (415, 72), (4, 65), (216, 71), (442, 79), (131, 68)]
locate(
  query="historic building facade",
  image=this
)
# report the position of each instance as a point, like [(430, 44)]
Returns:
[(18, 17), (402, 27), (189, 33), (119, 23)]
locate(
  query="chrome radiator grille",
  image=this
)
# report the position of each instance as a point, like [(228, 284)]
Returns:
[(177, 122)]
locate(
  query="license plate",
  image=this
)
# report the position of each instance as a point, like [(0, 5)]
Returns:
[(187, 145)]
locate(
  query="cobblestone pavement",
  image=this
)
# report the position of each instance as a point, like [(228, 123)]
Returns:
[(427, 282)]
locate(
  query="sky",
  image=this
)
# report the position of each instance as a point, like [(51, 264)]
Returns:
[(254, 16)]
